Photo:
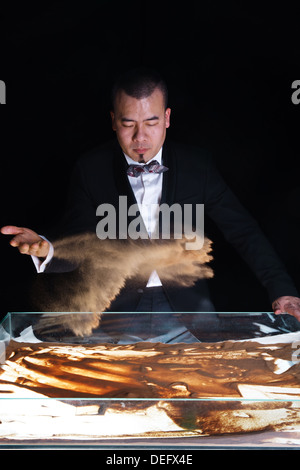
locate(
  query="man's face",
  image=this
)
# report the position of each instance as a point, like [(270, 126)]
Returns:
[(140, 124)]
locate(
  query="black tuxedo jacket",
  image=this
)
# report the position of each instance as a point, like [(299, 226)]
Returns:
[(100, 177)]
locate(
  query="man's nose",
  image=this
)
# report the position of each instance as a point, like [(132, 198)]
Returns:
[(140, 133)]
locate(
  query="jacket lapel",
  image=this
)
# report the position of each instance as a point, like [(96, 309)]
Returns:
[(120, 176)]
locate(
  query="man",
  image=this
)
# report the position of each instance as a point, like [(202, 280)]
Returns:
[(140, 118)]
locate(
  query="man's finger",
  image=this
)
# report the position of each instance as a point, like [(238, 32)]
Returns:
[(35, 247), (24, 248), (40, 249), (11, 230), (17, 240)]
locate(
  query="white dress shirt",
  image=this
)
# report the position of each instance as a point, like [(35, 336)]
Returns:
[(147, 189)]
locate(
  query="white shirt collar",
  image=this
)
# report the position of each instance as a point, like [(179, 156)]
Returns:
[(157, 157)]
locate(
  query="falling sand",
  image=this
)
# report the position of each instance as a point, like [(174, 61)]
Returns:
[(99, 270)]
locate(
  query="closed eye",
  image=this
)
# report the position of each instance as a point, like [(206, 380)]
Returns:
[(127, 122), (152, 121)]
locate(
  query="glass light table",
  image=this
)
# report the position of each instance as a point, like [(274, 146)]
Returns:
[(120, 380)]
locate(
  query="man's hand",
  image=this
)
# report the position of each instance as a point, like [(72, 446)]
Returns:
[(287, 304), (27, 241)]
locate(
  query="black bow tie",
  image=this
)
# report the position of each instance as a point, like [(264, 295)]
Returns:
[(152, 167)]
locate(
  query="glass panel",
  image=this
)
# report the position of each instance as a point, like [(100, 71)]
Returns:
[(125, 328), (209, 377)]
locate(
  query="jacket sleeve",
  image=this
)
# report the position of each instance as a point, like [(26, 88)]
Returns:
[(243, 232)]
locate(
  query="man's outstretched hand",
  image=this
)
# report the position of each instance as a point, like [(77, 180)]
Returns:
[(287, 304), (27, 241)]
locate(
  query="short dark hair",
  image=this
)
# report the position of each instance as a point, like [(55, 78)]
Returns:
[(139, 83)]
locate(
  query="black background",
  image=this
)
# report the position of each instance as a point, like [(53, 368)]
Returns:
[(229, 67)]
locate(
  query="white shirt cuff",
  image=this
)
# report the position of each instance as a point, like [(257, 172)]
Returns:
[(39, 264)]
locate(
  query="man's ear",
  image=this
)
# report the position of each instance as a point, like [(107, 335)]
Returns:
[(167, 117), (113, 123)]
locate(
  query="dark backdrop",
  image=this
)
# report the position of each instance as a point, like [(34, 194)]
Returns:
[(229, 68)]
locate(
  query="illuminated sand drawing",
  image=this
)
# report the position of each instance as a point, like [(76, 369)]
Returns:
[(227, 372)]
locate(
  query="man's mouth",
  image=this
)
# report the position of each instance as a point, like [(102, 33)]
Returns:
[(141, 150)]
